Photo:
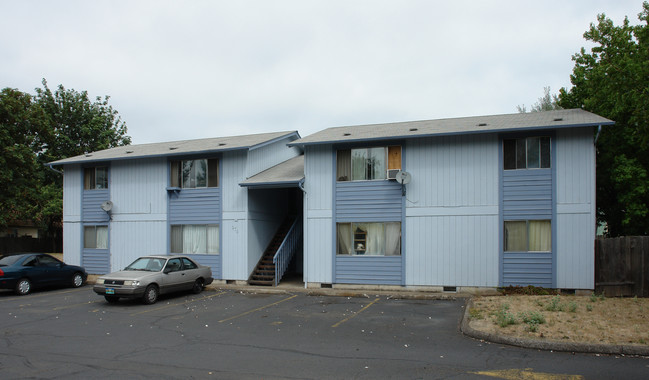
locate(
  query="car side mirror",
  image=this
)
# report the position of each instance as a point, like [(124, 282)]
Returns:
[(166, 270)]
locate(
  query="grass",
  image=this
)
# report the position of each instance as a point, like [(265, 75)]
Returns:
[(587, 319)]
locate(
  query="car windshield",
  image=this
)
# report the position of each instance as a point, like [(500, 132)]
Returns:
[(151, 264), (8, 260)]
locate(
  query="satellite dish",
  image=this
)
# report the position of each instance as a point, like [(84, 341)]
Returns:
[(107, 206), (403, 178)]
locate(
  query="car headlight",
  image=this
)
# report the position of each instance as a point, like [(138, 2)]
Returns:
[(131, 283), (99, 281)]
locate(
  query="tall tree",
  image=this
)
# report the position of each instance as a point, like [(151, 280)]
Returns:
[(612, 80), (21, 126), (42, 128)]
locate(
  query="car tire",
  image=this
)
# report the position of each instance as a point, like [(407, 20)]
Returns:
[(199, 284), (23, 287), (111, 299), (150, 295), (77, 280)]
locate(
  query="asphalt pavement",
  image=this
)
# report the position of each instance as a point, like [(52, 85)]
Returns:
[(227, 333)]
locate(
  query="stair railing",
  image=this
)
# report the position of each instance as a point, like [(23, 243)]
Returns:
[(287, 249)]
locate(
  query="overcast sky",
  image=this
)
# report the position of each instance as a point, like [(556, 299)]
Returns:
[(178, 70)]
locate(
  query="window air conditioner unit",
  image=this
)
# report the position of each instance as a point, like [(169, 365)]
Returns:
[(392, 173)]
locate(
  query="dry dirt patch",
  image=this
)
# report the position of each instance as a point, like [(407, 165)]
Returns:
[(570, 319)]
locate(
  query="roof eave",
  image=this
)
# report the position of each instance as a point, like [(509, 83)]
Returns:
[(442, 134)]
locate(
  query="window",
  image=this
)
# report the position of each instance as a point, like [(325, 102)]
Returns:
[(95, 178), (528, 236), (191, 174), (365, 164), (95, 237), (375, 239), (526, 153), (188, 264), (173, 265), (195, 238)]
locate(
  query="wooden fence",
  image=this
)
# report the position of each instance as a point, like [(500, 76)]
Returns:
[(622, 266), (28, 244)]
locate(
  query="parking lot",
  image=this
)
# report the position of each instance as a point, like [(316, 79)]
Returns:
[(73, 333)]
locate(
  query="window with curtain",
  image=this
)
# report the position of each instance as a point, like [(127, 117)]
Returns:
[(370, 239), (95, 237), (528, 236), (95, 178), (195, 238), (366, 164), (526, 153), (192, 174)]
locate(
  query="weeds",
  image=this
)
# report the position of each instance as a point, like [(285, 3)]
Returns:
[(504, 317), (555, 304), (594, 297), (572, 307), (475, 313), (533, 319)]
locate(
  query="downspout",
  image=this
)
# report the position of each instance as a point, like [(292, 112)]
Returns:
[(599, 130), (300, 185), (49, 166)]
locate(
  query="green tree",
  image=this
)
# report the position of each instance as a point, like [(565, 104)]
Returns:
[(42, 128), (545, 103), (612, 80), (21, 126)]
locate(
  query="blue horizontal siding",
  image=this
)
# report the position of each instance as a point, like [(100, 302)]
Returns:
[(92, 200), (368, 201), (96, 261), (195, 206), (375, 270), (527, 268), (212, 261), (527, 194)]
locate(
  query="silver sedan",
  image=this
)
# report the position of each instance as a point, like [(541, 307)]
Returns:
[(150, 276)]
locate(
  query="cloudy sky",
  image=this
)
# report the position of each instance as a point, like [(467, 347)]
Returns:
[(179, 70)]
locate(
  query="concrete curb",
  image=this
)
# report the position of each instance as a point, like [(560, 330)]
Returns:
[(588, 348), (333, 292)]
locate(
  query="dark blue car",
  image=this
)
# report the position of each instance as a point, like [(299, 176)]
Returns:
[(25, 271)]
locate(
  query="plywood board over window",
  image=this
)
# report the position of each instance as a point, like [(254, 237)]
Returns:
[(394, 157)]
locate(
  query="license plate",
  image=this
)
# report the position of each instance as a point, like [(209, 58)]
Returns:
[(110, 291)]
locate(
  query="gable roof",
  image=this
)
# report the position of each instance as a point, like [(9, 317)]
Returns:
[(464, 125), (286, 174), (177, 148)]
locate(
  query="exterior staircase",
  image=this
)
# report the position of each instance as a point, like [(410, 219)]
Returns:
[(264, 273)]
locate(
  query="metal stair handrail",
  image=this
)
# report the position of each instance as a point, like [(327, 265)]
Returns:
[(287, 249)]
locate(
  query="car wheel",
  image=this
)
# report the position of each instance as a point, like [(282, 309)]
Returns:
[(23, 287), (150, 295), (111, 299), (198, 286), (77, 280)]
